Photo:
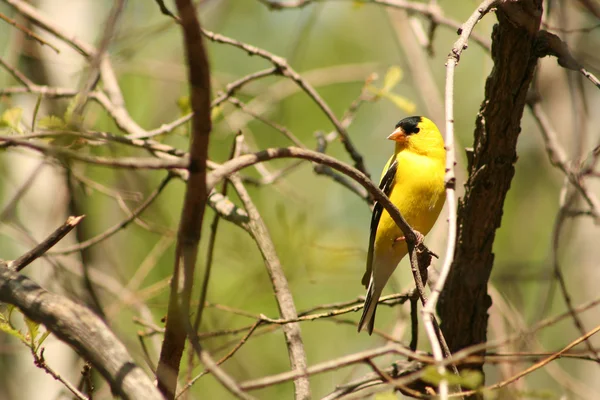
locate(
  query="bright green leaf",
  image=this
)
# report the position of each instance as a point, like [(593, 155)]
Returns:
[(392, 77), (33, 328), (69, 118), (5, 326), (51, 122), (468, 378), (184, 105), (11, 118), (385, 396), (471, 379), (401, 102), (215, 113), (41, 340)]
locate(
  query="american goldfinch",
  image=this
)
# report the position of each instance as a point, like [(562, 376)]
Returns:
[(413, 179)]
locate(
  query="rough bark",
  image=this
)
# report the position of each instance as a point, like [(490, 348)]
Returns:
[(464, 304)]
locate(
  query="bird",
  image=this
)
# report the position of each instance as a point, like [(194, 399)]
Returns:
[(413, 179)]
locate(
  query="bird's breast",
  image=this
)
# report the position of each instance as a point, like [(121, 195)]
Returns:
[(419, 195)]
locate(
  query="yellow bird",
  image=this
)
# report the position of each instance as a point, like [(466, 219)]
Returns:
[(413, 179)]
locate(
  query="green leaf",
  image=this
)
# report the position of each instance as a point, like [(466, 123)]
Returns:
[(215, 113), (401, 102), (184, 105), (468, 378), (6, 327), (11, 118), (41, 340), (70, 119), (392, 77), (356, 4), (385, 396), (51, 122), (34, 330), (471, 379)]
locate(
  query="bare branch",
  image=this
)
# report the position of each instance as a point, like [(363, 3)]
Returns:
[(116, 228), (285, 301), (284, 68), (43, 247), (121, 162), (29, 33)]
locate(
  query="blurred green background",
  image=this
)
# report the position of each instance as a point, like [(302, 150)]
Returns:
[(319, 228)]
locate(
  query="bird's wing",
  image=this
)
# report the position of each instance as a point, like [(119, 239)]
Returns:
[(386, 184)]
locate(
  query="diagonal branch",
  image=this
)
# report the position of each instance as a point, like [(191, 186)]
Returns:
[(43, 247), (81, 329), (285, 301)]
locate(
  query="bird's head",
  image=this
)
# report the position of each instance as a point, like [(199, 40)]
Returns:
[(418, 135)]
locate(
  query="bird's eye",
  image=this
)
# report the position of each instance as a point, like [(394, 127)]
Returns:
[(416, 130)]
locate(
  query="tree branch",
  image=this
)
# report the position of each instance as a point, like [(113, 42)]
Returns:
[(194, 204), (82, 330), (43, 247), (285, 301)]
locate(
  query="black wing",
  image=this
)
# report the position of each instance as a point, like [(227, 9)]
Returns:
[(386, 184)]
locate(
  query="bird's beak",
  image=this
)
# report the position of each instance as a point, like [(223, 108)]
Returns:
[(398, 136)]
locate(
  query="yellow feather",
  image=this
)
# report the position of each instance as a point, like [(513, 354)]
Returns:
[(418, 192)]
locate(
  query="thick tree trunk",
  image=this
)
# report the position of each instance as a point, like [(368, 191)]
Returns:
[(464, 304)]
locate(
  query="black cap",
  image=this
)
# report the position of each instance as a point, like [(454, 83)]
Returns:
[(410, 125)]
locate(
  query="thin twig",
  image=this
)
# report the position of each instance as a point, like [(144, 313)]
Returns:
[(40, 362), (43, 247), (450, 180), (286, 70), (121, 162), (117, 227), (30, 34), (558, 157)]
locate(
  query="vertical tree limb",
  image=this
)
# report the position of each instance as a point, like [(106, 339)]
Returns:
[(192, 214), (464, 303)]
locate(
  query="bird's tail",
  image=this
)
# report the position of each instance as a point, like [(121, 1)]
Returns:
[(370, 307)]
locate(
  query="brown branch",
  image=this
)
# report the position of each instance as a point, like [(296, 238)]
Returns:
[(247, 160), (322, 367), (178, 326), (82, 330), (43, 247), (29, 33), (230, 354), (539, 364), (40, 362), (18, 75), (558, 157), (122, 162), (549, 44), (285, 301), (490, 174)]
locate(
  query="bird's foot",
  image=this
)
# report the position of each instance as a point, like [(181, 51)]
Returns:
[(420, 238)]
